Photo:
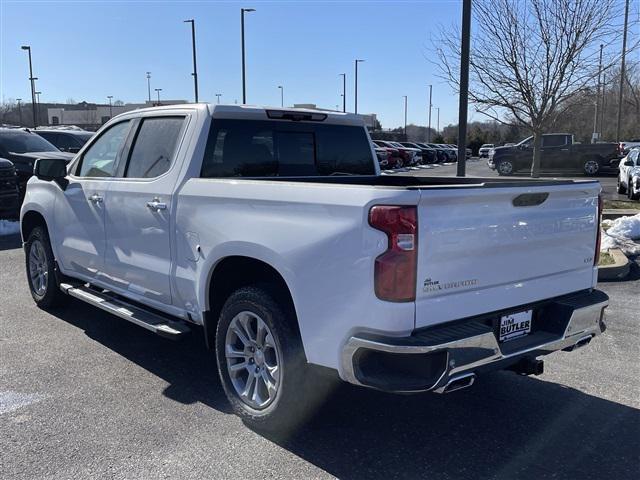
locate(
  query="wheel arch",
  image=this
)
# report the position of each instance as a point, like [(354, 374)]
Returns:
[(30, 220)]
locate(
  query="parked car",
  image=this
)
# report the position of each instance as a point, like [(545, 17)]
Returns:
[(395, 159), (66, 140), (23, 147), (410, 156), (629, 175), (384, 156), (427, 155), (485, 149), (626, 146), (442, 154), (189, 216), (559, 153), (9, 193)]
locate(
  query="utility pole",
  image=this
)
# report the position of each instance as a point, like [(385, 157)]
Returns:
[(19, 111), (622, 66), (33, 85), (595, 115), (430, 105), (464, 88), (218, 95), (356, 84), (149, 85), (281, 95), (193, 48), (438, 121), (405, 116), (604, 99), (244, 84), (344, 91), (158, 90), (110, 107)]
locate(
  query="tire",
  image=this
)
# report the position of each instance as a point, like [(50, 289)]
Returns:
[(591, 167), (296, 391), (40, 265), (630, 194), (504, 167), (621, 189)]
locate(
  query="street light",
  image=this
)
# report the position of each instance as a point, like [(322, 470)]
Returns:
[(218, 95), (149, 85), (281, 95), (110, 106), (19, 110), (356, 82), (438, 124), (344, 91), (430, 105), (38, 103), (33, 86), (405, 115), (244, 84), (193, 45), (158, 90)]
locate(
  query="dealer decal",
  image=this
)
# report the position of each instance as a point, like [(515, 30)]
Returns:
[(431, 285)]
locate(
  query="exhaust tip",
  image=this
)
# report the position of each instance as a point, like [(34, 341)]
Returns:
[(458, 383)]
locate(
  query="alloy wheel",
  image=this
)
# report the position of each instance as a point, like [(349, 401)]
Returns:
[(38, 269)]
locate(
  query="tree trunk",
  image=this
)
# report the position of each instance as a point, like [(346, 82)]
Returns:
[(537, 154)]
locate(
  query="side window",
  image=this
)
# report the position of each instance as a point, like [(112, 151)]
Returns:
[(554, 140), (100, 159), (154, 147)]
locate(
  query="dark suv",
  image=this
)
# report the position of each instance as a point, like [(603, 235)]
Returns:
[(66, 140), (9, 203)]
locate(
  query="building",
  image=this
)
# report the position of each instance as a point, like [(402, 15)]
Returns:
[(92, 116)]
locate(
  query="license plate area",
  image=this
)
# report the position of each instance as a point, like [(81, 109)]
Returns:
[(514, 325)]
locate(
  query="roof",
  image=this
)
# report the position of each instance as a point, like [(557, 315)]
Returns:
[(254, 112)]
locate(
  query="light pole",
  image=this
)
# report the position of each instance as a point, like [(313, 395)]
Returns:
[(218, 95), (438, 121), (281, 95), (595, 114), (344, 91), (38, 104), (356, 84), (405, 116), (158, 90), (149, 85), (110, 106), (244, 81), (193, 45), (19, 110), (622, 72), (464, 88), (33, 86), (430, 105)]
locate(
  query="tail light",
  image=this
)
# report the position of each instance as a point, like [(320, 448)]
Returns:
[(395, 270), (596, 257)]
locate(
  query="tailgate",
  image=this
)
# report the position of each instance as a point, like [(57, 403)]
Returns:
[(479, 252)]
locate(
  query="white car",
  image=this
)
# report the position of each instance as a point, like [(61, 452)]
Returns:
[(273, 233), (629, 175), (485, 149)]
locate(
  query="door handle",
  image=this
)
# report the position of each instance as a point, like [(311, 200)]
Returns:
[(95, 198), (564, 149), (156, 205)]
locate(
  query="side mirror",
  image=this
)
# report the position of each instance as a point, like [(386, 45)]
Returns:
[(49, 169), (628, 163)]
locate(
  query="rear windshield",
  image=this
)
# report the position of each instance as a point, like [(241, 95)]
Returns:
[(242, 148), (25, 142)]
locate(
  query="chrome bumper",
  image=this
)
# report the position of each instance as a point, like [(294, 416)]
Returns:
[(478, 347)]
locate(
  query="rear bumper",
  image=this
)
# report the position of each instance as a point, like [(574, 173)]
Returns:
[(431, 359)]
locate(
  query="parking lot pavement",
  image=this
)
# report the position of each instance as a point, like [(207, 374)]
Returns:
[(477, 167), (85, 395)]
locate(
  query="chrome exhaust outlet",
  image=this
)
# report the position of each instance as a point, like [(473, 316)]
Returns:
[(457, 383), (583, 341)]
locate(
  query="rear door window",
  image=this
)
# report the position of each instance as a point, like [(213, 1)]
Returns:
[(554, 140), (154, 147), (271, 148)]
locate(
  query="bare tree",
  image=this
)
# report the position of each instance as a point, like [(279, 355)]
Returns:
[(529, 58)]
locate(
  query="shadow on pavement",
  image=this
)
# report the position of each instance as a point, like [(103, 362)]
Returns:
[(505, 426), (10, 242)]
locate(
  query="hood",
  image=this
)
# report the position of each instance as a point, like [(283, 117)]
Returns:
[(36, 155), (500, 150), (4, 163)]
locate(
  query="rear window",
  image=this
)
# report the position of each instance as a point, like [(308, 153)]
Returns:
[(240, 148)]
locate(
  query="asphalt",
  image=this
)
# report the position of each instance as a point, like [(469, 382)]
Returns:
[(86, 395)]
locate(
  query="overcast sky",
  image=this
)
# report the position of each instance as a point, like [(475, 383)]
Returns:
[(90, 49)]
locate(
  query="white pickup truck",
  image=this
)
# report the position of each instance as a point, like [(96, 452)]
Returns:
[(273, 233)]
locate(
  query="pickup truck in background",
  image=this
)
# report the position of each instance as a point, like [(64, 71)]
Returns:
[(559, 154), (272, 233)]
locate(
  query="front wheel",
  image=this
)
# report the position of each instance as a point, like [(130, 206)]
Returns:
[(40, 265), (631, 193), (505, 167), (620, 188), (591, 167), (261, 362)]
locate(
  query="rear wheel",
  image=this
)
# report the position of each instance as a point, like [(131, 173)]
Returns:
[(261, 362), (505, 167), (40, 265), (621, 189), (591, 167), (630, 190)]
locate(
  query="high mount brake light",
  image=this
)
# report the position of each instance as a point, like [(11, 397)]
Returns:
[(296, 116), (395, 270)]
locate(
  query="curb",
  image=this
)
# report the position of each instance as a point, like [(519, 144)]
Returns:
[(618, 270), (613, 213)]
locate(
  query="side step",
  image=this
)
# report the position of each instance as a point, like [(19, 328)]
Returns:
[(158, 324)]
